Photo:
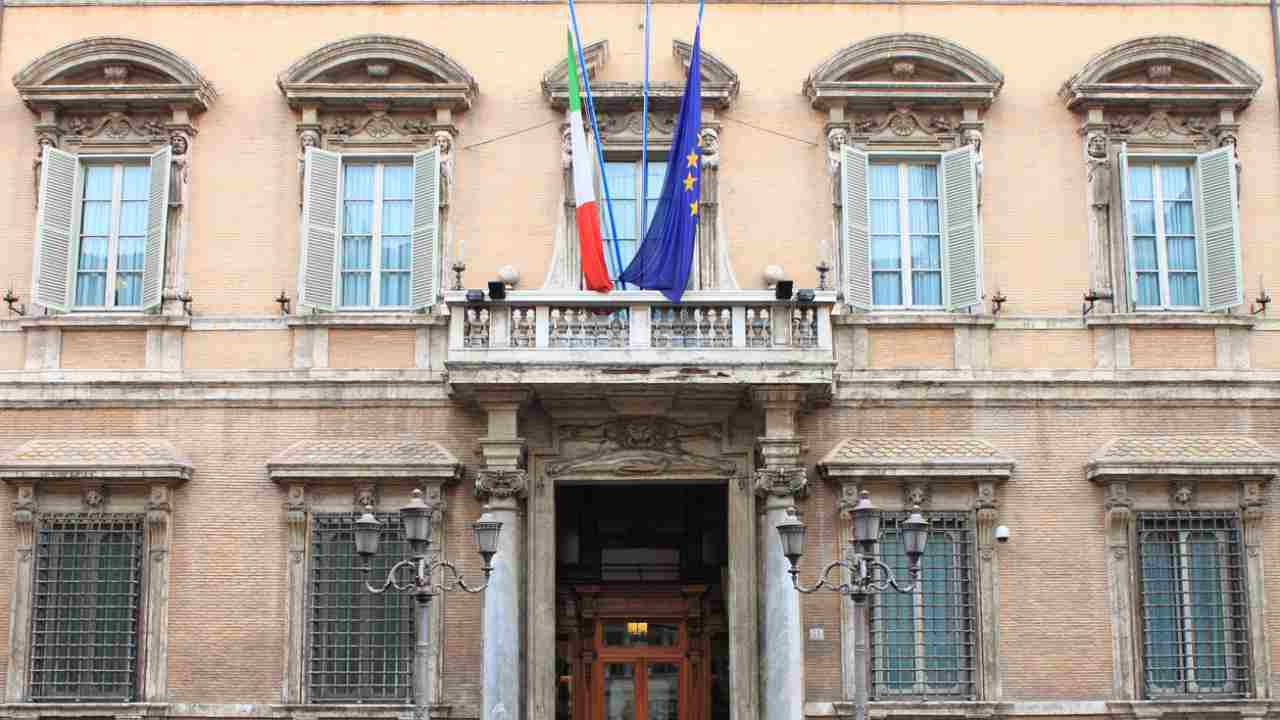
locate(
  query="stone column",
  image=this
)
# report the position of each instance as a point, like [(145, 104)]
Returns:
[(503, 484), (779, 482)]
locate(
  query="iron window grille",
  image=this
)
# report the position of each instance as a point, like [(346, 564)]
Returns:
[(1193, 604), (85, 618), (360, 645), (922, 643)]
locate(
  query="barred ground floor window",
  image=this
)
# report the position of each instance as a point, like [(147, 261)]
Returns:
[(85, 611), (923, 641), (1194, 609), (359, 645)]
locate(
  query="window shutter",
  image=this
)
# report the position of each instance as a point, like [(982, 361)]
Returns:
[(157, 227), (960, 237), (856, 239), (55, 230), (426, 227), (1131, 277), (1220, 225), (317, 275)]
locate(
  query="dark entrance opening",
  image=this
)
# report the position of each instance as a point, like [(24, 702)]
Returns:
[(640, 577)]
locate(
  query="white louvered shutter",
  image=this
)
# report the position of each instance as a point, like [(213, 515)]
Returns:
[(855, 231), (1220, 225), (55, 229), (157, 228), (1130, 262), (426, 227), (317, 275), (961, 241)]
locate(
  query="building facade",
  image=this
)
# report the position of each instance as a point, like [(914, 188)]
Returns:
[(271, 266)]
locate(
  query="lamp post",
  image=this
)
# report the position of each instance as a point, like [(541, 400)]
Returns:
[(866, 574), (416, 517)]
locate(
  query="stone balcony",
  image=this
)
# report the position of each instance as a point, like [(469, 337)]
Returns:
[(718, 337)]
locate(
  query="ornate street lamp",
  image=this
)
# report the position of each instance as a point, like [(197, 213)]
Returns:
[(416, 519), (866, 574)]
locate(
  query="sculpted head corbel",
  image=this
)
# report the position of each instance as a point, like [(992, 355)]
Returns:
[(709, 141)]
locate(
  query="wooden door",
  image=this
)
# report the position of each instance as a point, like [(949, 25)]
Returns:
[(641, 670)]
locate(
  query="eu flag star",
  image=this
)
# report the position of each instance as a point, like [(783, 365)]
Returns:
[(693, 208), (688, 182), (693, 159)]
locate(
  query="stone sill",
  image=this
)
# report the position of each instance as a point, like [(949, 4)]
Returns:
[(1038, 709), (1170, 319), (366, 320), (83, 709), (106, 321), (909, 319), (638, 297)]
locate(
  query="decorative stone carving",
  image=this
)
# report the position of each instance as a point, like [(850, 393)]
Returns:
[(781, 482), (915, 493), (1099, 175), (94, 498), (1182, 492), (638, 447), (365, 496), (709, 143), (836, 138), (904, 70), (1117, 495), (1159, 71), (501, 483)]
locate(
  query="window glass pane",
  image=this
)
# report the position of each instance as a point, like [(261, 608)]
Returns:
[(924, 217), (886, 288), (883, 180), (1144, 249), (1184, 288), (1140, 182), (884, 217), (397, 217), (357, 181), (1207, 610), (1178, 219), (926, 252), (926, 288), (397, 182), (895, 625), (1160, 601), (1182, 253), (1148, 288), (663, 691), (129, 270), (619, 691), (1142, 216), (133, 217), (886, 252), (91, 288), (922, 181), (136, 183), (657, 174), (97, 217), (1175, 182)]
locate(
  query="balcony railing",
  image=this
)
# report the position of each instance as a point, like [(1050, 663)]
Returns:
[(590, 325)]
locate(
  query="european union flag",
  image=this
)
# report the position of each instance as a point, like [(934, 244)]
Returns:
[(666, 255)]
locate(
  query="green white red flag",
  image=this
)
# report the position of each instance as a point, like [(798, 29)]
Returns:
[(584, 189)]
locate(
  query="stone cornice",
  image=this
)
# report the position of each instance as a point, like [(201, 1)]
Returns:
[(183, 85), (1161, 457), (923, 457)]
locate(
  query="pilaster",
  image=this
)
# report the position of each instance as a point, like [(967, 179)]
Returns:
[(24, 518), (295, 603), (1252, 500), (156, 626), (1119, 529)]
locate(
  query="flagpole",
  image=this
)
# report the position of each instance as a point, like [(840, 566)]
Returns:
[(595, 128), (644, 138)]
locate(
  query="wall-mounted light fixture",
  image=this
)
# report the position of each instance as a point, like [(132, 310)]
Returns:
[(783, 290), (283, 301), (10, 299), (497, 290)]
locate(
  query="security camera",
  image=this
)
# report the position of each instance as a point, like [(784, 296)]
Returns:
[(1002, 534)]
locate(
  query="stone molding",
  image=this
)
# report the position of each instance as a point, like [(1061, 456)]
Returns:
[(1225, 79), (1195, 471), (443, 82), (966, 77), (178, 81), (929, 471), (719, 82), (321, 471), (502, 483), (102, 471)]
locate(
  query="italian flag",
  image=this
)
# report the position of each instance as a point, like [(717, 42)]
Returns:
[(584, 190)]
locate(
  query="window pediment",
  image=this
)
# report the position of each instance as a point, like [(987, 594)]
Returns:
[(116, 70), (920, 457), (375, 460), (719, 83), (111, 459), (909, 68), (1158, 457), (1163, 70), (400, 72)]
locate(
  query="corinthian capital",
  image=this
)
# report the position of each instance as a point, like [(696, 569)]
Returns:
[(501, 483), (781, 481)]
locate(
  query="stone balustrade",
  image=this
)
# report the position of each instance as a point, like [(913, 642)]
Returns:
[(723, 326)]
